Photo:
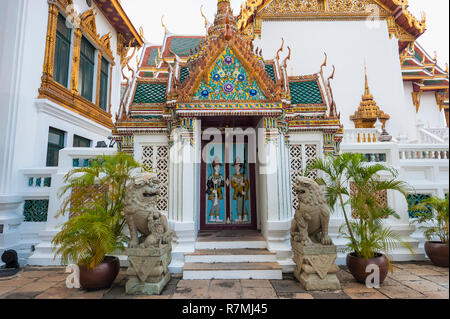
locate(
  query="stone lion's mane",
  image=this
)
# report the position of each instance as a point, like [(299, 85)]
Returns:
[(137, 185), (314, 196)]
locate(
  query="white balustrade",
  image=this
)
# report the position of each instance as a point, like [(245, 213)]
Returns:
[(442, 133), (361, 136), (423, 152)]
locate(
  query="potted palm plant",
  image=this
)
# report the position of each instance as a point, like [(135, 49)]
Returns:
[(369, 241), (95, 228), (434, 211)]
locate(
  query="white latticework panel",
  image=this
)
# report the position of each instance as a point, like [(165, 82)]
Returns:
[(162, 170), (147, 157), (311, 155), (296, 169)]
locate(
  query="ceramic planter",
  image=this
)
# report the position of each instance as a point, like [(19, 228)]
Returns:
[(358, 265), (102, 276), (437, 252)]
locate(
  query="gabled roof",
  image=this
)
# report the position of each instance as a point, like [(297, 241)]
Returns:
[(422, 69), (117, 17), (306, 92), (150, 93)]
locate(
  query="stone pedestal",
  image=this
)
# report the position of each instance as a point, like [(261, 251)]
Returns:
[(148, 272), (315, 268)]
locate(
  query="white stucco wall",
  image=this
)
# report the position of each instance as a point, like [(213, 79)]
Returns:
[(33, 123), (349, 44), (429, 113)]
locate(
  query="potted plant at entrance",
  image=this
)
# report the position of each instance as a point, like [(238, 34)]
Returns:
[(95, 228), (435, 211), (369, 241)]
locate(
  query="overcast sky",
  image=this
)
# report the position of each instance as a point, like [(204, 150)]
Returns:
[(183, 17)]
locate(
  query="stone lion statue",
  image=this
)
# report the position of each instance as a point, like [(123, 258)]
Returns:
[(142, 215), (310, 223)]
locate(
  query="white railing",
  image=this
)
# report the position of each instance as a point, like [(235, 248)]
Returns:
[(361, 136), (423, 152), (442, 133), (426, 137)]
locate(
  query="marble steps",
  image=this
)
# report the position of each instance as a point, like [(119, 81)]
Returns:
[(231, 255), (211, 256), (233, 270)]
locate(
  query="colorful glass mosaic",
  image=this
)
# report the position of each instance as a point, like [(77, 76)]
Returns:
[(36, 210), (229, 80), (416, 199)]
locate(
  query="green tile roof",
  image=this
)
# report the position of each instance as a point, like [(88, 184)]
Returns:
[(183, 46), (150, 93), (270, 70), (153, 55), (184, 73), (305, 93)]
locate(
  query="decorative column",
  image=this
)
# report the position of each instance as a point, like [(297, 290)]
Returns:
[(11, 202), (49, 60), (76, 60), (182, 193), (275, 178), (99, 72)]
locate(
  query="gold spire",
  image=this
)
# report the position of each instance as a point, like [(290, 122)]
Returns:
[(368, 111), (366, 90)]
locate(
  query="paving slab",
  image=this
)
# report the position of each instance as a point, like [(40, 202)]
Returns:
[(256, 283), (225, 289), (366, 295), (400, 292), (423, 286), (295, 296), (286, 286), (258, 293)]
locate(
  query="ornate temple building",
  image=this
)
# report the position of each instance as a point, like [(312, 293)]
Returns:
[(61, 77), (228, 119)]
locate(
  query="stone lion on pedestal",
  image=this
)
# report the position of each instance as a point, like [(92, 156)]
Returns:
[(310, 223), (142, 215)]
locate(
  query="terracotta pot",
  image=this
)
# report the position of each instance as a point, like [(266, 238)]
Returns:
[(102, 276), (357, 267), (437, 252)]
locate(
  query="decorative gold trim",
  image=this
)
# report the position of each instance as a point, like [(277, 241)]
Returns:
[(57, 93), (417, 97), (99, 72), (76, 60), (49, 59)]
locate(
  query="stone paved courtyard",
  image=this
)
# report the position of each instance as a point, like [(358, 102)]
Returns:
[(409, 281)]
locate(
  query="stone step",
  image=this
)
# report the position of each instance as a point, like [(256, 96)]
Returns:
[(235, 270), (218, 243), (230, 256)]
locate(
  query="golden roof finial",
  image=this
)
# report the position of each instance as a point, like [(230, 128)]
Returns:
[(163, 25), (366, 87), (204, 17)]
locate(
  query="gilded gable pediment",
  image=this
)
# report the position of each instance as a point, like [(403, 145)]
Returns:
[(323, 9)]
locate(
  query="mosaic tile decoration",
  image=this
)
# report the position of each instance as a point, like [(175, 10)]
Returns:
[(184, 73), (415, 199), (35, 210), (270, 71), (150, 93), (229, 80), (307, 92)]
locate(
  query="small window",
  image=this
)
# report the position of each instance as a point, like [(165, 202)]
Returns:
[(79, 141), (62, 52), (104, 76), (87, 64), (55, 144)]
